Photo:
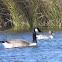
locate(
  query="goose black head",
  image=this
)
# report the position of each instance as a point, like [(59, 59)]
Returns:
[(37, 30), (50, 32)]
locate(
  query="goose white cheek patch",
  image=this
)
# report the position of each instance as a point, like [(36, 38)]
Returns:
[(36, 30)]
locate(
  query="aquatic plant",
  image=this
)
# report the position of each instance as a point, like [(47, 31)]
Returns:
[(53, 12), (38, 13), (13, 12)]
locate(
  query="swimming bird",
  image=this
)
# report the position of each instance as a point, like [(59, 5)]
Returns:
[(40, 36), (13, 43)]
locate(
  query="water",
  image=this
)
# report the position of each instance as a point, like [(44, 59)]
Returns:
[(46, 50)]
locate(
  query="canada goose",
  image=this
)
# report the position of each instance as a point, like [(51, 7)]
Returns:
[(12, 43), (40, 36)]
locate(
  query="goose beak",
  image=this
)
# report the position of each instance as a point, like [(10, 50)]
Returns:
[(41, 31)]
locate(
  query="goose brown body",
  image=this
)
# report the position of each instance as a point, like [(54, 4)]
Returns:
[(40, 36), (18, 43)]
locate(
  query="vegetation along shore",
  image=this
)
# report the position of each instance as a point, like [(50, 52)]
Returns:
[(30, 13)]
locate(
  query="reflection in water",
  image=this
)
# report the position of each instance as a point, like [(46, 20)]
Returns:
[(46, 50)]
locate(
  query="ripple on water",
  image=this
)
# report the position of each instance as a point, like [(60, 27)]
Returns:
[(46, 50)]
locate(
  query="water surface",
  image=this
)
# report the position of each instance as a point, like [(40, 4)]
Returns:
[(46, 50)]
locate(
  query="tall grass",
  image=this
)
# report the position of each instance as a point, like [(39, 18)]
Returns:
[(53, 11), (13, 12), (35, 13)]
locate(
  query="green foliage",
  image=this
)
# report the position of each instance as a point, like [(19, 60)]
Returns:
[(35, 13), (13, 12), (53, 11)]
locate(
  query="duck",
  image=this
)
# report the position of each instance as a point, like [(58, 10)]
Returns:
[(40, 36), (15, 43)]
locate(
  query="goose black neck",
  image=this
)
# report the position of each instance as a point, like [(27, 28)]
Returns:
[(34, 37)]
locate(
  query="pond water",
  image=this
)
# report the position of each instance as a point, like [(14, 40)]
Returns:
[(46, 50)]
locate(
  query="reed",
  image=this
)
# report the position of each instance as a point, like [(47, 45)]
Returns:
[(13, 12), (53, 12), (38, 13)]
